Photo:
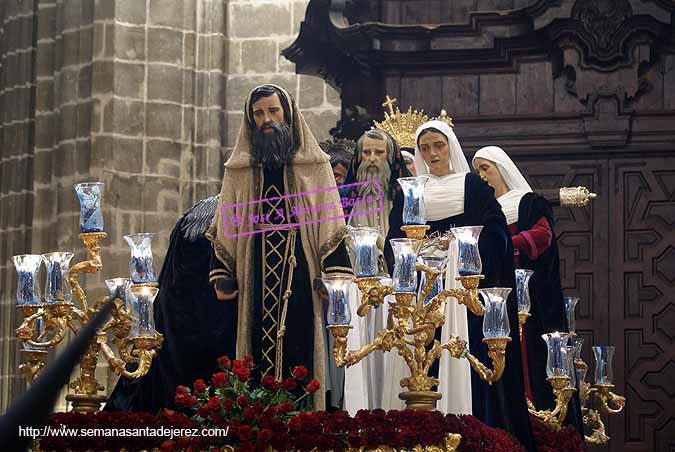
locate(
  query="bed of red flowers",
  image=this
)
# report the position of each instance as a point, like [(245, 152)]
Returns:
[(276, 415)]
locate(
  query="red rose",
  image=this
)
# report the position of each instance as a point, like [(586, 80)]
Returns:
[(288, 384), (219, 420), (185, 400), (248, 361), (264, 435), (295, 423), (269, 382), (258, 407), (285, 407), (182, 390), (199, 386), (224, 362), (242, 401), (220, 379), (243, 374), (247, 447), (213, 403), (196, 442), (203, 411), (237, 364), (167, 412), (249, 414), (245, 432), (167, 446), (183, 441), (313, 385), (228, 404), (270, 411), (300, 372)]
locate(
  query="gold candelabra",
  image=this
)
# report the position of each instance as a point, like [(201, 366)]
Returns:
[(411, 327), (60, 315), (560, 384), (608, 402), (563, 394)]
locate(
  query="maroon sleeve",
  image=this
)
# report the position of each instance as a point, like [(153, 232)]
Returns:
[(534, 242)]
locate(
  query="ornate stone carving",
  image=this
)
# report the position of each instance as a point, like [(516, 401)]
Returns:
[(602, 19)]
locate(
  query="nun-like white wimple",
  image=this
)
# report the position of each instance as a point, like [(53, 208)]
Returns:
[(512, 176), (457, 161), (514, 180), (410, 155)]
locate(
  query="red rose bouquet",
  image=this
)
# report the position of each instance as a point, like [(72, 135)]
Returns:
[(245, 417), (227, 411)]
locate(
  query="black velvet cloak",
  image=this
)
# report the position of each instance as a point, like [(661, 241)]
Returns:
[(547, 306), (194, 323), (502, 404)]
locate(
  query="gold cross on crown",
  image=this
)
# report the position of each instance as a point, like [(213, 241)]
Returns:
[(389, 103)]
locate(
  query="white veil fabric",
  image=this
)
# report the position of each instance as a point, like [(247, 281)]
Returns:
[(410, 155), (443, 198), (443, 195), (513, 178)]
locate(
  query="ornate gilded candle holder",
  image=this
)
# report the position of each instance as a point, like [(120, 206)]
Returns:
[(560, 371), (45, 323), (412, 322), (595, 398), (601, 393)]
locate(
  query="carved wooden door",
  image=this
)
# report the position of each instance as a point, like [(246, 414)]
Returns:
[(642, 302), (618, 257)]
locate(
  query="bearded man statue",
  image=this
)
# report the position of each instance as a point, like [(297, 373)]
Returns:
[(278, 226), (377, 161), (275, 154)]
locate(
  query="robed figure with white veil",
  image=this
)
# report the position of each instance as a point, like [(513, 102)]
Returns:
[(532, 227), (454, 197)]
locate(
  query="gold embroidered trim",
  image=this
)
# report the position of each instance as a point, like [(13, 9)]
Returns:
[(224, 256), (338, 268), (276, 290), (333, 242)]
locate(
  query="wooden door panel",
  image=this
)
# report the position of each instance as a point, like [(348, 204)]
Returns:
[(642, 314)]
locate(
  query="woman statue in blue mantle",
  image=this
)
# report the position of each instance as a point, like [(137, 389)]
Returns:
[(455, 197)]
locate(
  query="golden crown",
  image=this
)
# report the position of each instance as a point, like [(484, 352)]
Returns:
[(444, 117), (403, 126)]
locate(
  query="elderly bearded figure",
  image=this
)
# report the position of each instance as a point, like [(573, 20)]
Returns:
[(377, 159), (273, 233)]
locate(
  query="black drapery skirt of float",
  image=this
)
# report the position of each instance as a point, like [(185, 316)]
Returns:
[(197, 328), (503, 403), (547, 308)]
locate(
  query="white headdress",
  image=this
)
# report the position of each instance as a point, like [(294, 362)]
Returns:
[(457, 160), (444, 195), (409, 155), (513, 179)]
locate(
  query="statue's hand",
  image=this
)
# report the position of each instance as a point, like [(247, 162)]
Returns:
[(225, 296)]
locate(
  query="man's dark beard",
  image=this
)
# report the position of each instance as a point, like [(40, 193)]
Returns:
[(273, 150)]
